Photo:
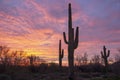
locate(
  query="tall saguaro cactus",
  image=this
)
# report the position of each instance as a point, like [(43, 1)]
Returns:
[(105, 56), (61, 54), (72, 43)]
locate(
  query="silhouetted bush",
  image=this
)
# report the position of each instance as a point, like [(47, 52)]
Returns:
[(2, 68), (43, 67), (97, 67), (91, 68), (5, 77), (33, 69), (53, 67), (115, 67), (85, 75), (84, 68)]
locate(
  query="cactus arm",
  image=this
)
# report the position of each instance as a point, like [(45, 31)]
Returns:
[(102, 54), (104, 49), (62, 53), (59, 46), (108, 53), (72, 34), (64, 36), (76, 38)]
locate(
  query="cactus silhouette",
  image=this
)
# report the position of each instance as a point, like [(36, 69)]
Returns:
[(105, 56), (72, 43), (61, 54)]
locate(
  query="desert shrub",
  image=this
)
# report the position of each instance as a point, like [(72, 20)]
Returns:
[(97, 67), (84, 68), (91, 68), (53, 67), (43, 67), (22, 79), (33, 69), (4, 77), (85, 75), (2, 68), (115, 67)]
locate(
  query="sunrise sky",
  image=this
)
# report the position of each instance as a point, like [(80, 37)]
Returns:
[(36, 26)]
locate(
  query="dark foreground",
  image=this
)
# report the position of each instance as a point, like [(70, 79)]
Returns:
[(52, 72)]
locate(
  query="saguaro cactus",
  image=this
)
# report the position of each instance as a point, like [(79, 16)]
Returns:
[(72, 43), (105, 56), (61, 54)]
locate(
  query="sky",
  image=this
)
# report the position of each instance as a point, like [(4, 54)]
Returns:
[(36, 26)]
